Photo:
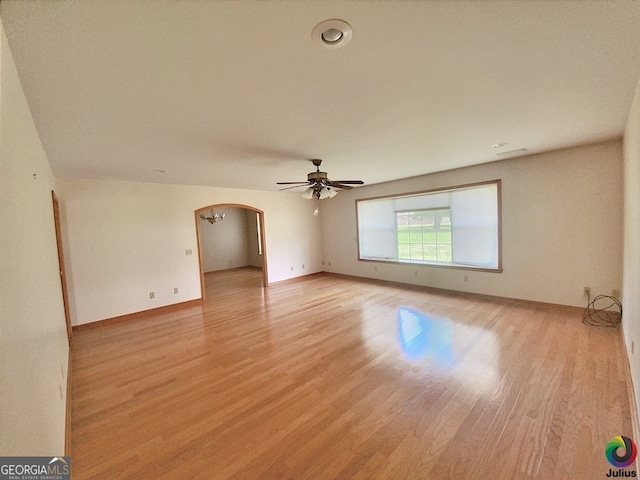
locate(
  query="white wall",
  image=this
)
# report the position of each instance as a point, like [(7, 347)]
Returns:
[(561, 227), (127, 239), (33, 341), (226, 244), (631, 275)]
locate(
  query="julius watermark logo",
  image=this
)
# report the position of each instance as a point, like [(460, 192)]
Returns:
[(621, 452), (35, 468)]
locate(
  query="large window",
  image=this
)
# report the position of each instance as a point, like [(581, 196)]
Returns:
[(456, 226)]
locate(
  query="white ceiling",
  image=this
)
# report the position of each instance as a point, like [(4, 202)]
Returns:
[(236, 94)]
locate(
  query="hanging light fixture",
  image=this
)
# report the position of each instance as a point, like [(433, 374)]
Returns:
[(212, 217), (319, 191), (327, 192), (308, 193)]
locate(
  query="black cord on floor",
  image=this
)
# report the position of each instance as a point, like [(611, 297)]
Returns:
[(603, 311)]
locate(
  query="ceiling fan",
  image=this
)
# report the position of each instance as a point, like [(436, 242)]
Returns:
[(318, 184)]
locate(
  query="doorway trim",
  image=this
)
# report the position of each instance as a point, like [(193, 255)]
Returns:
[(263, 242), (61, 269)]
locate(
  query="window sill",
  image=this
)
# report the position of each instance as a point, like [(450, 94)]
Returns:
[(455, 266)]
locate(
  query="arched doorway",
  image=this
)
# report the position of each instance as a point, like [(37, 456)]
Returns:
[(214, 214)]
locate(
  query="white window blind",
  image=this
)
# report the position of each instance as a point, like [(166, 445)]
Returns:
[(474, 224)]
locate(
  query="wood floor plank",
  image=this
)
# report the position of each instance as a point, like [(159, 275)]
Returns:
[(311, 379)]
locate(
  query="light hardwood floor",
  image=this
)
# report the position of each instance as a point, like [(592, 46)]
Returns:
[(308, 380)]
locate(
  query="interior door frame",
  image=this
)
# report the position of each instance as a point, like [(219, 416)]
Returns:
[(62, 270), (263, 242)]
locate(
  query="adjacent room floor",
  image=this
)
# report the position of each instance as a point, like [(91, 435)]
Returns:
[(329, 377)]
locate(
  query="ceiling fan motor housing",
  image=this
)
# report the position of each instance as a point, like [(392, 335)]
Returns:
[(318, 177)]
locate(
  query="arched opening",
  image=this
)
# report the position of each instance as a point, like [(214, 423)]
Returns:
[(243, 223)]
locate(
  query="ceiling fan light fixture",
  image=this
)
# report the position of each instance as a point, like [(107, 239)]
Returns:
[(332, 33), (308, 193), (327, 192)]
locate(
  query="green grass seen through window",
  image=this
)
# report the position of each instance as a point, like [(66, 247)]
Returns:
[(423, 237)]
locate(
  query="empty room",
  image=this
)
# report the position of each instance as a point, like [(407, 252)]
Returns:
[(336, 239)]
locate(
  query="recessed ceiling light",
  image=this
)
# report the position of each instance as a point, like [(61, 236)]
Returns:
[(332, 33), (498, 145)]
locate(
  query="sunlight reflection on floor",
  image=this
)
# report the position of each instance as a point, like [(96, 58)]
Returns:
[(437, 346), (424, 336)]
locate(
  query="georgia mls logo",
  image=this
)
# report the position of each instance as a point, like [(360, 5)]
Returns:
[(621, 452), (35, 468)]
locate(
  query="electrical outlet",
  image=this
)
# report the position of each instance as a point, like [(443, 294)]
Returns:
[(292, 269), (152, 294), (188, 251), (303, 266), (175, 290), (415, 273), (633, 346), (587, 291), (466, 278)]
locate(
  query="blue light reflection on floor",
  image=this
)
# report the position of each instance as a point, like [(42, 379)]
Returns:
[(422, 336)]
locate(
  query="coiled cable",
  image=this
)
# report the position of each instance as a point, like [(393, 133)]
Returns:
[(603, 311)]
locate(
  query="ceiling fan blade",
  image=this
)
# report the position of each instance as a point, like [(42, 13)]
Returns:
[(291, 183), (295, 186), (340, 185), (352, 182)]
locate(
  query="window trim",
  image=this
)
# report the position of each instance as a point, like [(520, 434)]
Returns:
[(456, 266)]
